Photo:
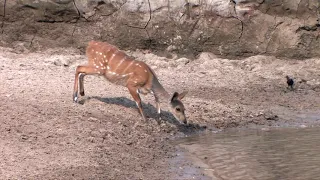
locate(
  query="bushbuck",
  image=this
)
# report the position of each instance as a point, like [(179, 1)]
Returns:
[(117, 67)]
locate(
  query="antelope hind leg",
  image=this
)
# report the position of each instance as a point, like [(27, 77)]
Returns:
[(81, 71), (81, 76)]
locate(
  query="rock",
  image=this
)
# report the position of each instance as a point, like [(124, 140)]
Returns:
[(171, 48), (183, 61), (20, 47), (61, 62)]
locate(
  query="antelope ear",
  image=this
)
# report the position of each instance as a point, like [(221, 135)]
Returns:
[(178, 96), (175, 96), (182, 95)]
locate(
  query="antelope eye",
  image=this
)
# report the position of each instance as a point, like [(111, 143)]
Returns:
[(178, 109)]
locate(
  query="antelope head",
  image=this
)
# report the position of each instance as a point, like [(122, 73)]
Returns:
[(177, 108)]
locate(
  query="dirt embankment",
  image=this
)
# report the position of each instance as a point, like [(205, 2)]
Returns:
[(233, 29), (45, 135)]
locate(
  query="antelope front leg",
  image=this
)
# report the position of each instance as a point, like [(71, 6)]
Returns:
[(81, 71), (134, 93)]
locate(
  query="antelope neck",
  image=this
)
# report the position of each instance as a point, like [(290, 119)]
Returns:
[(159, 91)]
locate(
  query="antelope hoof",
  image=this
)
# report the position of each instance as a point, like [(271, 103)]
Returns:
[(75, 98), (82, 93)]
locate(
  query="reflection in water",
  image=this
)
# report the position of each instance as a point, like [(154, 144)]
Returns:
[(247, 154)]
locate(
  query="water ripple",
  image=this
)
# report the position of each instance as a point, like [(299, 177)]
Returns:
[(263, 155)]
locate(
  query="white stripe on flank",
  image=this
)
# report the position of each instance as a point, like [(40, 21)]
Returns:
[(113, 55), (120, 62), (128, 66), (107, 51), (127, 74)]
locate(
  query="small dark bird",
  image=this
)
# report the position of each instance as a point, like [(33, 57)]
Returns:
[(290, 82)]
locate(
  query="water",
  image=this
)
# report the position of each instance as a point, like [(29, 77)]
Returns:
[(254, 154)]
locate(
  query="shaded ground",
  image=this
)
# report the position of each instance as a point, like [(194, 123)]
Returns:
[(44, 135)]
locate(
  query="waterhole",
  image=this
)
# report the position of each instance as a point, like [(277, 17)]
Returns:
[(278, 154)]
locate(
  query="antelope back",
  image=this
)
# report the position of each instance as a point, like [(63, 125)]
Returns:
[(102, 55), (116, 65)]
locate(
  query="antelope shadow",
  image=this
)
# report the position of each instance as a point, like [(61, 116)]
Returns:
[(150, 111)]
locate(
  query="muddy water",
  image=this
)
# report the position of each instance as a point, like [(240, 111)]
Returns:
[(255, 154)]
